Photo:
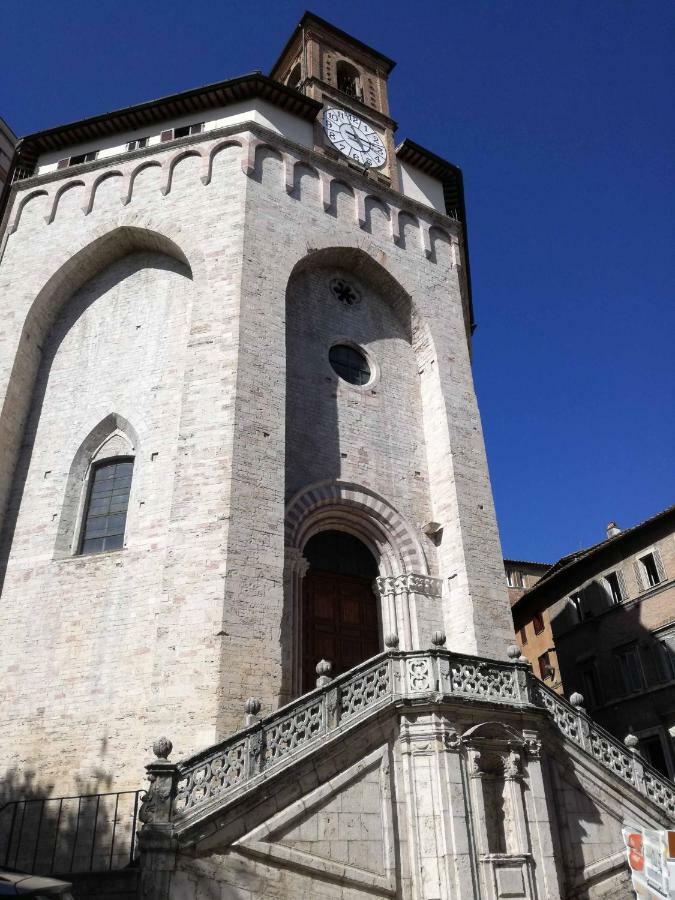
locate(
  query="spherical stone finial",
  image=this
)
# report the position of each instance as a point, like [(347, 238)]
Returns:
[(391, 640), (514, 652), (577, 700), (631, 742), (162, 748), (252, 706), (438, 638), (324, 668)]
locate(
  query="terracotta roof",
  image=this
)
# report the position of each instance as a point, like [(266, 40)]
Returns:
[(526, 562), (196, 100), (566, 564)]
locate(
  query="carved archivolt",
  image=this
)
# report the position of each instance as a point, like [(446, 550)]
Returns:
[(395, 541)]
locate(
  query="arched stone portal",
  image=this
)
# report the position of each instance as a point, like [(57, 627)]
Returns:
[(408, 599)]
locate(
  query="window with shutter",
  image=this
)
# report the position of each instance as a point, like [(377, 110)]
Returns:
[(630, 667), (667, 656), (538, 623), (591, 685), (166, 135), (545, 667), (638, 575), (650, 570), (622, 584), (613, 588)]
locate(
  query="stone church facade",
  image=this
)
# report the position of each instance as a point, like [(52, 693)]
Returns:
[(262, 340)]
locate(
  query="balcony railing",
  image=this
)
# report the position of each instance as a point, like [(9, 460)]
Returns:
[(268, 744)]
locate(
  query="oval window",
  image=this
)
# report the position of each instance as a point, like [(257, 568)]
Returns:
[(349, 363)]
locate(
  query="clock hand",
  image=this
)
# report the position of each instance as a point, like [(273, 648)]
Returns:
[(365, 141), (357, 138)]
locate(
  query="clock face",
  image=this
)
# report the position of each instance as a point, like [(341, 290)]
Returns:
[(353, 137)]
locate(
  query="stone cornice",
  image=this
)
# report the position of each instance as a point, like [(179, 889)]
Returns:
[(303, 154)]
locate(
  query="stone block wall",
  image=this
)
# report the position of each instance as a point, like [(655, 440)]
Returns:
[(187, 343)]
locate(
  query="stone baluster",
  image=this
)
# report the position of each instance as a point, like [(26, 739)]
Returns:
[(155, 839), (523, 673), (633, 744), (577, 701), (441, 667), (255, 755), (251, 710), (163, 777), (323, 672)]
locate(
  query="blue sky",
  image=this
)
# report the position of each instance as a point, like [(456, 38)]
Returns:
[(560, 115)]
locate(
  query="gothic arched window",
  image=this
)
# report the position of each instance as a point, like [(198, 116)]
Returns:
[(105, 513), (348, 79)]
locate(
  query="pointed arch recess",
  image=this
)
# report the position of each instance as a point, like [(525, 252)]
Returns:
[(78, 269)]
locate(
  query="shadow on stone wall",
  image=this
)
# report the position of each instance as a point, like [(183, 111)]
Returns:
[(73, 309), (86, 832)]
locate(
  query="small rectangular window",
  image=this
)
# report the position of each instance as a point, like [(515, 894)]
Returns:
[(138, 144), (106, 511), (614, 588), (650, 571), (514, 578), (185, 130), (630, 669), (523, 635), (82, 158), (538, 623), (545, 667)]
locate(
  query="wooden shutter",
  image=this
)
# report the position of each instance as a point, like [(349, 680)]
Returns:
[(622, 584), (638, 574), (166, 135), (63, 163), (659, 565)]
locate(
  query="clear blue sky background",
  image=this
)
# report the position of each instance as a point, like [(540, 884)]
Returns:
[(561, 116)]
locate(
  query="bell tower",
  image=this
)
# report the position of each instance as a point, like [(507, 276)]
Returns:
[(349, 79)]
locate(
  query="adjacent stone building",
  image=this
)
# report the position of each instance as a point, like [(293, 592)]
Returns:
[(534, 634), (241, 449), (611, 609)]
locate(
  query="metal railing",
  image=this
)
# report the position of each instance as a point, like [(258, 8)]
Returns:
[(66, 835)]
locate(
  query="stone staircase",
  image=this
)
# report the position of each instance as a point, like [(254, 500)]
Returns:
[(253, 755)]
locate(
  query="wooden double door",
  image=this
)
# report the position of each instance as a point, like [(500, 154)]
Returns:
[(340, 622)]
